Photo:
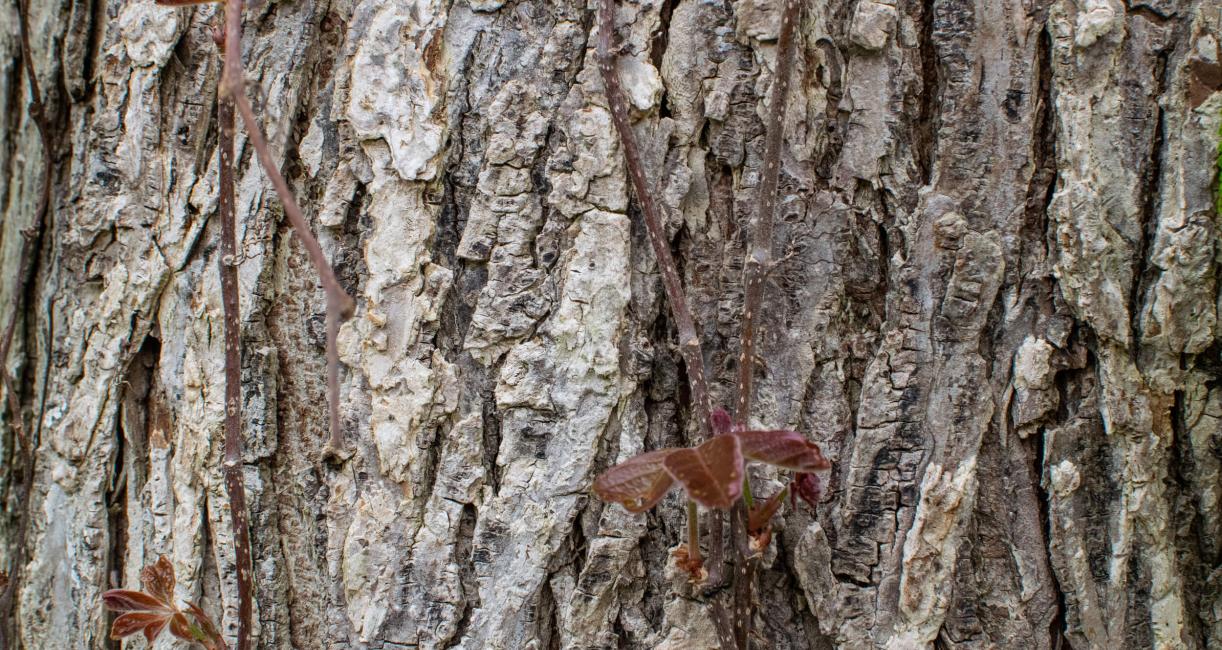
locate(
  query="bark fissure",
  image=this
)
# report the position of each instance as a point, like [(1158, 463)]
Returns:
[(1151, 184)]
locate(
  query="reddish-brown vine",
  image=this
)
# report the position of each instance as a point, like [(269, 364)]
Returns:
[(713, 473)]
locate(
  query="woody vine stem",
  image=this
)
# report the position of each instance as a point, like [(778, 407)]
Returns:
[(758, 263), (232, 96), (735, 632), (25, 441)]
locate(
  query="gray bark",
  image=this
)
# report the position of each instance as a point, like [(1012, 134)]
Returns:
[(997, 313)]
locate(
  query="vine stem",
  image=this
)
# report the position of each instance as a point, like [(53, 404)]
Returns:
[(693, 531), (340, 305), (755, 268), (232, 96), (689, 338), (759, 257), (26, 264), (232, 463)]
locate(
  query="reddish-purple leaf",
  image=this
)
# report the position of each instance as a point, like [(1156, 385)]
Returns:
[(151, 623), (785, 449), (807, 486), (146, 612), (158, 580), (712, 473), (181, 627), (721, 421), (125, 600), (637, 483)]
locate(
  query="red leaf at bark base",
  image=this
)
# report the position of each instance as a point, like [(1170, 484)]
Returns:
[(150, 623), (158, 580), (712, 473), (150, 612), (637, 483), (785, 449), (807, 486), (125, 600)]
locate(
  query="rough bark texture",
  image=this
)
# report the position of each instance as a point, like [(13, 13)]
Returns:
[(997, 312)]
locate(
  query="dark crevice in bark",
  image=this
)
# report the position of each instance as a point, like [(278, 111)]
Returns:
[(464, 545), (1150, 13), (96, 27), (11, 120), (14, 113), (1145, 273), (116, 506), (621, 635), (458, 188), (1138, 627), (657, 53), (1068, 387), (835, 120), (1190, 541), (210, 573), (543, 188), (348, 258), (886, 250), (661, 40), (130, 451), (1042, 187), (469, 280), (1058, 625), (492, 437), (925, 127), (573, 552), (547, 620)]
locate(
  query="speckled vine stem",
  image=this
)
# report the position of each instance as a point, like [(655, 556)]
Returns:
[(339, 304), (755, 269), (228, 267), (759, 255), (689, 338), (232, 101)]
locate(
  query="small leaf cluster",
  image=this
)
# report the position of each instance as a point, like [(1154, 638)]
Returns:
[(152, 611), (712, 472)]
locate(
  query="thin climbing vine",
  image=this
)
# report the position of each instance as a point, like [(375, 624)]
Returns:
[(713, 472)]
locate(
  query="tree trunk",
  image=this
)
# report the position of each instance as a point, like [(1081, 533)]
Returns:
[(996, 311)]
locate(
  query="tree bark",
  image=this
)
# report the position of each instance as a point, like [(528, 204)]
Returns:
[(995, 309)]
